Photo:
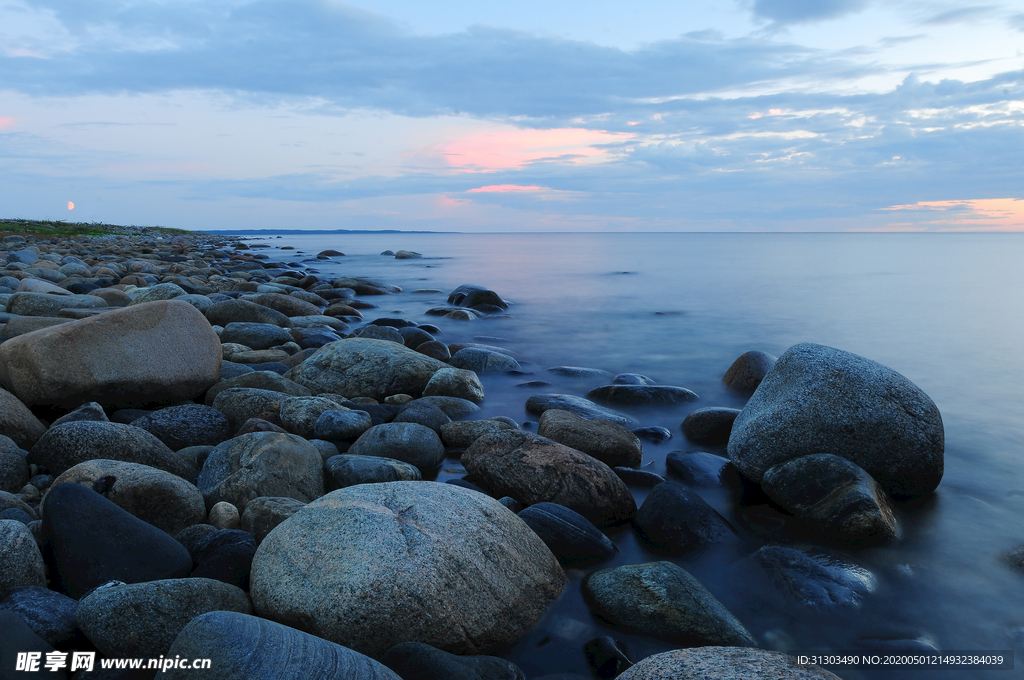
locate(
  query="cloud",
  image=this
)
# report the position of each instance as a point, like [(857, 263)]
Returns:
[(985, 214), (1017, 21), (510, 147), (802, 11), (961, 15)]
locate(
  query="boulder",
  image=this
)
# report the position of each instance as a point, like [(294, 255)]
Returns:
[(240, 404), (88, 541), (374, 565), (262, 464), (21, 563), (341, 424), (286, 304), (724, 663), (364, 286), (533, 469), (609, 442), (43, 304), (573, 540), (187, 425), (460, 434), (251, 648), (143, 619), (584, 408), (255, 335), (663, 600), (266, 512), (158, 352), (366, 368), (243, 311), (348, 470), (409, 442), (483, 361), (258, 380), (453, 407), (838, 500), (455, 382), (299, 415), (160, 498), (17, 422), (709, 426), (161, 291), (823, 400), (747, 372), (67, 445), (696, 468), (674, 520), (91, 411), (424, 413), (14, 471)]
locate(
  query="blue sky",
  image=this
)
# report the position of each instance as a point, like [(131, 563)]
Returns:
[(734, 115)]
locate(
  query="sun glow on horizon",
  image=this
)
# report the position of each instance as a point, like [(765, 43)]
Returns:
[(978, 214), (507, 149)]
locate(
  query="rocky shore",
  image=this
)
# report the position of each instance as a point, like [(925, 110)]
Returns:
[(208, 454)]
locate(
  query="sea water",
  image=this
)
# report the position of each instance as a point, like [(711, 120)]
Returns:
[(945, 310)]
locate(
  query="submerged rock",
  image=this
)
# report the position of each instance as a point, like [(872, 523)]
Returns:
[(818, 582), (642, 395), (573, 540), (584, 408)]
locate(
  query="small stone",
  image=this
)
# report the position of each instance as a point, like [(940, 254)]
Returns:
[(607, 441), (642, 395), (224, 515), (266, 512), (455, 382), (337, 425), (709, 426), (483, 361), (584, 408), (348, 470), (187, 425), (747, 372), (697, 468)]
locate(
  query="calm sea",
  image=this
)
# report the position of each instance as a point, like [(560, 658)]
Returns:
[(945, 310)]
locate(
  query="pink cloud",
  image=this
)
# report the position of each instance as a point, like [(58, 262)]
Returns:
[(492, 150), (978, 214), (505, 189), (6, 122)]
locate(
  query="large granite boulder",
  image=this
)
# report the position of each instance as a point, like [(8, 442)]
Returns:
[(158, 352), (823, 400), (186, 425), (17, 422), (69, 444), (533, 469), (164, 500), (250, 648), (408, 442), (663, 600), (262, 464), (21, 563), (374, 565), (124, 619), (724, 663), (361, 367)]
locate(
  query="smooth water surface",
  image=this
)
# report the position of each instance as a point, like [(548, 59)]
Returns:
[(945, 310)]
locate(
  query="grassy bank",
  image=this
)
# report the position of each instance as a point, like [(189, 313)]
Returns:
[(62, 228)]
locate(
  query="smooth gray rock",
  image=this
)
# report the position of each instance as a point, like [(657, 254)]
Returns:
[(258, 380), (255, 335), (266, 512), (838, 500), (299, 415), (18, 422), (423, 413), (460, 434), (375, 332), (674, 520), (187, 425), (724, 663), (43, 304), (709, 426), (749, 369), (455, 382), (417, 661), (573, 540), (533, 469), (663, 600), (240, 404), (161, 291), (359, 367), (584, 408), (243, 311), (642, 395), (48, 613), (144, 619), (337, 425), (453, 407), (483, 361), (67, 445), (817, 581), (348, 470), (607, 441), (262, 464), (155, 496), (409, 442), (251, 648), (491, 578), (819, 399), (21, 563)]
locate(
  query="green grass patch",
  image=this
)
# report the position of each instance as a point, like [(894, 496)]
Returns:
[(62, 228)]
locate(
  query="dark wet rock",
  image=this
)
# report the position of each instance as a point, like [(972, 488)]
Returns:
[(255, 335), (159, 352), (381, 332), (22, 561), (392, 322), (258, 380), (724, 663), (239, 404), (605, 657), (350, 469), (405, 529), (409, 442), (339, 425), (288, 305), (653, 433), (49, 614), (607, 441), (697, 468), (837, 499), (125, 416), (417, 661), (584, 408), (641, 478), (815, 581), (632, 379), (89, 540), (229, 564), (17, 515), (17, 422), (709, 426), (208, 545), (145, 618), (578, 372), (187, 425), (468, 295), (367, 368), (266, 512), (570, 536), (455, 382), (14, 469), (256, 649), (435, 350), (299, 415), (674, 520), (511, 503), (43, 304), (326, 448), (91, 411), (747, 372), (19, 638), (534, 469), (262, 464), (453, 407), (413, 337), (662, 600), (9, 500), (641, 395), (364, 286), (155, 496), (424, 413), (461, 434), (243, 311), (466, 484), (483, 361), (259, 425), (67, 445), (823, 400)]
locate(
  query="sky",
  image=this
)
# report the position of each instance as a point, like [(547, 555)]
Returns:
[(452, 115)]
